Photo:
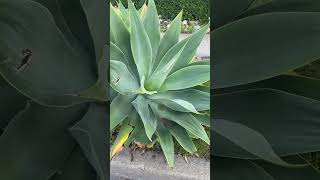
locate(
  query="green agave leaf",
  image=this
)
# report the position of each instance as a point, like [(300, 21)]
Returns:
[(285, 124), (238, 169), (121, 79), (283, 44), (181, 135), (203, 119), (225, 11), (99, 90), (149, 120), (166, 143), (27, 151), (199, 99), (75, 167), (71, 19), (279, 172), (91, 134), (120, 109), (97, 17), (117, 54), (44, 61), (162, 71), (185, 120), (283, 6), (187, 77), (122, 137), (112, 37), (192, 44), (152, 27), (140, 43), (11, 103), (169, 39), (138, 134), (177, 105), (248, 139), (122, 37), (298, 85)]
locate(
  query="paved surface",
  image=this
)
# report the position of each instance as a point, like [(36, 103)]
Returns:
[(204, 48), (152, 166)]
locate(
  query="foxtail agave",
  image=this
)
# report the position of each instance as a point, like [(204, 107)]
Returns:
[(53, 116), (262, 109), (158, 90)]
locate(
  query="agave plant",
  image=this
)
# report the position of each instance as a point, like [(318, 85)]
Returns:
[(159, 92), (265, 115), (53, 117)]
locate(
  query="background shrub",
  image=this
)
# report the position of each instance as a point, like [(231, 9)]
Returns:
[(168, 9)]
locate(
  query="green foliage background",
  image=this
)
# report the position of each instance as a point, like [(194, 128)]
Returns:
[(168, 9)]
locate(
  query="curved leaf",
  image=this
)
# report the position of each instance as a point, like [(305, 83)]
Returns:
[(120, 108), (36, 142), (187, 77), (166, 143), (290, 44), (91, 134), (149, 120), (121, 79), (248, 139), (284, 119), (140, 43), (199, 99)]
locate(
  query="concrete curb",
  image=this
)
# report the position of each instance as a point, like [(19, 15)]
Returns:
[(152, 165)]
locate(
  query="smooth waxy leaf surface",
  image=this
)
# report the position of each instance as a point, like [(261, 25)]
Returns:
[(290, 44), (166, 142)]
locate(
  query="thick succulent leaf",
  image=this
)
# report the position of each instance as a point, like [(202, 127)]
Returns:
[(181, 135), (160, 74), (204, 119), (98, 20), (41, 61), (186, 120), (166, 142), (138, 134), (140, 43), (149, 120), (75, 167), (73, 23), (178, 105), (36, 142), (299, 85), (184, 51), (117, 54), (283, 44), (121, 79), (91, 134), (248, 139), (272, 6), (152, 27), (187, 77), (237, 169), (278, 172), (100, 90), (122, 137), (11, 103), (122, 37), (285, 120), (225, 11), (199, 99), (120, 109), (169, 39)]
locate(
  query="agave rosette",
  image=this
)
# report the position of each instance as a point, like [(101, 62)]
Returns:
[(158, 91)]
